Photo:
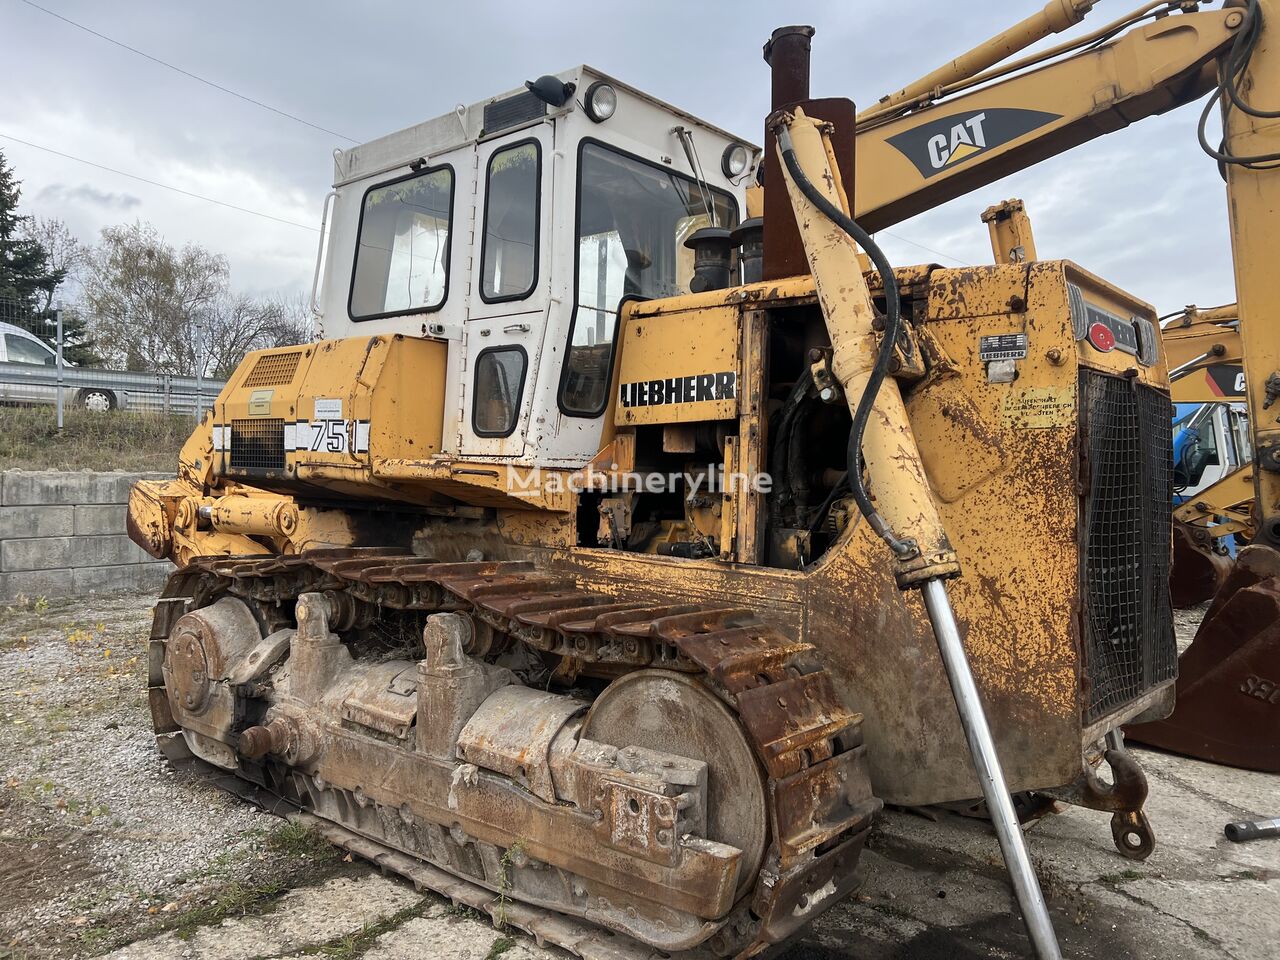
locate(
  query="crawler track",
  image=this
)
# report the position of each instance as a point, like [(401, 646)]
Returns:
[(807, 742)]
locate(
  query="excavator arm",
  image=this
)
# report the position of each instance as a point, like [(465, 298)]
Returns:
[(909, 162), (1205, 355)]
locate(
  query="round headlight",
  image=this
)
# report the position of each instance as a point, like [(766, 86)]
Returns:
[(735, 160), (600, 101)]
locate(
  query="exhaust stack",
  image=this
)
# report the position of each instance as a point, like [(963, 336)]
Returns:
[(788, 55)]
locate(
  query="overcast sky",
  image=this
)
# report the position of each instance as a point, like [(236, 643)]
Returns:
[(1143, 207)]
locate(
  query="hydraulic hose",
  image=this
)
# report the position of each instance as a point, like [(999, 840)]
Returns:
[(893, 328)]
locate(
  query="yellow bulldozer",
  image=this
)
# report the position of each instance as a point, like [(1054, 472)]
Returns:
[(634, 530)]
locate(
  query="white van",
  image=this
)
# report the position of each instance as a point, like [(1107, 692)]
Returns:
[(19, 346), (28, 375)]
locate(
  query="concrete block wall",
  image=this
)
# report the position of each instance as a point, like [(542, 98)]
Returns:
[(63, 535)]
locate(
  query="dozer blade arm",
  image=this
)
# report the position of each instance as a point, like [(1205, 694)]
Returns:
[(911, 525), (912, 162)]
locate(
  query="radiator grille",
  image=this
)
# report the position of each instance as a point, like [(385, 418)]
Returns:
[(257, 444), (273, 370), (1127, 445)]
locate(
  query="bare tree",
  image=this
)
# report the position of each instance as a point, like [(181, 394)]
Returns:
[(170, 309), (146, 296), (293, 322), (235, 325), (66, 255)]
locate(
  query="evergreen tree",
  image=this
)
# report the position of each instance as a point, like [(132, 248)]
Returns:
[(26, 277), (29, 276)]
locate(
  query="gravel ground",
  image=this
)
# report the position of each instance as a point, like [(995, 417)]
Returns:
[(104, 850), (98, 833)]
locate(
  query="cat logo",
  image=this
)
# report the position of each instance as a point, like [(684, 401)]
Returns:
[(965, 140), (941, 144), (1226, 380)]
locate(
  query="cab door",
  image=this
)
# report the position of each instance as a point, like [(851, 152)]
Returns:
[(510, 290)]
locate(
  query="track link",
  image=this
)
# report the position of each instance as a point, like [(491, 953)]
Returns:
[(807, 741)]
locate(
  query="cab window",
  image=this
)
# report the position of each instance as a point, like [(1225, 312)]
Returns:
[(509, 256), (499, 385), (22, 350), (402, 255), (633, 219)]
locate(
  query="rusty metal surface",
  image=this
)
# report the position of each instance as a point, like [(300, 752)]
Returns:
[(1006, 483), (660, 710), (784, 254), (1228, 691), (1123, 798), (817, 803), (512, 733), (1198, 570)]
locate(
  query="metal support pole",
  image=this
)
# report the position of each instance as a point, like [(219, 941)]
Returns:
[(983, 750), (199, 368), (57, 313)]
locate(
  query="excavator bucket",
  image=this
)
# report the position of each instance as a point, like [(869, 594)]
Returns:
[(1228, 706), (1199, 571)]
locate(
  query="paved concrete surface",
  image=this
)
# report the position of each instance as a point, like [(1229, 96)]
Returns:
[(104, 851)]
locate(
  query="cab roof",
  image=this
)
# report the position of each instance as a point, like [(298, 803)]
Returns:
[(466, 124)]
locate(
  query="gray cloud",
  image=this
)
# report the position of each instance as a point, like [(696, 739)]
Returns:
[(1143, 207), (59, 193)]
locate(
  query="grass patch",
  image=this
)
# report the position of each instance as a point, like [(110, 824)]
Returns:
[(499, 947), (465, 912), (96, 938), (356, 944), (118, 440), (512, 857), (236, 899), (298, 840)]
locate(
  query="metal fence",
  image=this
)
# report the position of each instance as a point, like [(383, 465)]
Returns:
[(33, 370)]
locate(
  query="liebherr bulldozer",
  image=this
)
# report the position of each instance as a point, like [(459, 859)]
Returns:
[(634, 530)]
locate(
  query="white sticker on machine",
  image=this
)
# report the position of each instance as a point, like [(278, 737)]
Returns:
[(328, 408), (1000, 346)]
